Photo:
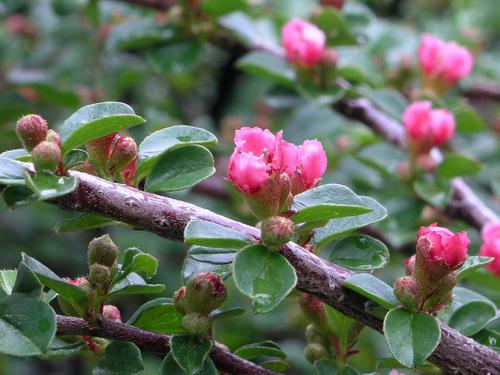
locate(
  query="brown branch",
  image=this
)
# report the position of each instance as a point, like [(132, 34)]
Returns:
[(464, 203), (153, 342), (154, 4), (483, 91), (168, 217)]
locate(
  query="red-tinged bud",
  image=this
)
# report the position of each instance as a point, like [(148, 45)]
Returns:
[(102, 250), (313, 335), (112, 313), (128, 173), (31, 130), (315, 311), (196, 324), (407, 291), (441, 294), (54, 137), (123, 152), (276, 231), (410, 265), (46, 157), (205, 292), (330, 57), (85, 167), (426, 162), (180, 300), (99, 274), (99, 150), (339, 4), (79, 281), (314, 352), (66, 306)]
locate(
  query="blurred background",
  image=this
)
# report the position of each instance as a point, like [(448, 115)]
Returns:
[(58, 55)]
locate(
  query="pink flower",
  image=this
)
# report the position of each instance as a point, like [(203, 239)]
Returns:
[(304, 42), (491, 246), (112, 313), (312, 159), (444, 61), (247, 171), (254, 140), (78, 281), (440, 244), (428, 127)]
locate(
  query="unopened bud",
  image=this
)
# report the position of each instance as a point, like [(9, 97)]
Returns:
[(128, 173), (46, 157), (99, 150), (31, 130), (112, 313), (98, 274), (276, 230), (410, 265), (313, 335), (330, 57), (315, 311), (196, 324), (407, 291), (102, 250), (205, 292), (180, 300), (314, 352), (54, 137), (124, 151)]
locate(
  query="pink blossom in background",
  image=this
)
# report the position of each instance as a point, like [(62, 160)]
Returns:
[(446, 61), (432, 127), (303, 42), (313, 163), (441, 244), (491, 246)]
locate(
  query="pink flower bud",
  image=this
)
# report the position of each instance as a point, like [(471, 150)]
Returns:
[(255, 140), (31, 130), (205, 292), (304, 42), (128, 173), (442, 245), (112, 313), (276, 230), (426, 127), (123, 152), (100, 149), (54, 137), (491, 246), (78, 281), (444, 61), (313, 163), (407, 291), (410, 265), (46, 157), (180, 300), (247, 171)]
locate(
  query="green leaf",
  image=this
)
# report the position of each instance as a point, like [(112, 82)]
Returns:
[(212, 255), (411, 337), (471, 263), (360, 252), (170, 367), (83, 222), (94, 121), (11, 172), (7, 281), (156, 144), (224, 314), (74, 158), (136, 261), (180, 169), (19, 154), (433, 191), (206, 233), (134, 284), (325, 212), (326, 194), (268, 66), (190, 353), (74, 295), (455, 165), (325, 366), (320, 96), (264, 276), (337, 227), (158, 315), (335, 26), (468, 120), (49, 186), (389, 100), (218, 8), (138, 34), (27, 325), (265, 348), (27, 282), (194, 265), (372, 288), (18, 196), (120, 358), (471, 317), (60, 349)]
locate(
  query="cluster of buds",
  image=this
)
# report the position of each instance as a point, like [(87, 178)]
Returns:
[(305, 47), (203, 293), (430, 275), (323, 339), (427, 128), (269, 171), (491, 246), (102, 260), (43, 144), (443, 63), (113, 157)]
